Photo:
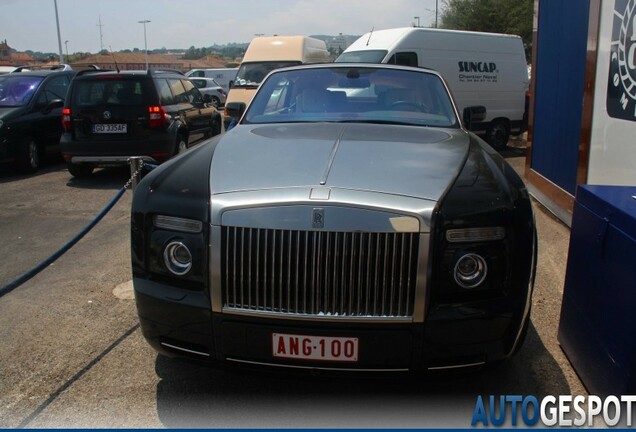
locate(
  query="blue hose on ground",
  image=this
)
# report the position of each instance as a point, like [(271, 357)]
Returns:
[(44, 264)]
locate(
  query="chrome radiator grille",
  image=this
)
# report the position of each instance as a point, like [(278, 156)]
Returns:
[(319, 273)]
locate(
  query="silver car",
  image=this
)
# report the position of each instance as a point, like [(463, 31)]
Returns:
[(349, 221), (211, 87)]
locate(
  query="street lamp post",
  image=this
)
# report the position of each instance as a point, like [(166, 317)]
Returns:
[(436, 4), (144, 22), (66, 46), (59, 38)]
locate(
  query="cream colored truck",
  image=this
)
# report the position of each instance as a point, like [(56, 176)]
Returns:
[(266, 53)]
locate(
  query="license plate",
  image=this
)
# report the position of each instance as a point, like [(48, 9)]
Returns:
[(110, 128), (301, 347)]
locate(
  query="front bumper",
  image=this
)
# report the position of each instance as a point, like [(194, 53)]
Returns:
[(180, 323)]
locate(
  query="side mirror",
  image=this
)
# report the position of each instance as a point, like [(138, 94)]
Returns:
[(55, 103), (230, 84), (235, 109), (474, 114)]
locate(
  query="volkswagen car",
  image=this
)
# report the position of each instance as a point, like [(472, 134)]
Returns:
[(349, 221), (110, 116)]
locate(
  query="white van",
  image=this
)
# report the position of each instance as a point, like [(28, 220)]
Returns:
[(266, 53), (481, 69), (224, 76)]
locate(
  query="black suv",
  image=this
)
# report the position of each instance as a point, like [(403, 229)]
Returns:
[(30, 113), (110, 116)]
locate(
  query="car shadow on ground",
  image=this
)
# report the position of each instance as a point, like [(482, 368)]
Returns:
[(193, 396), (9, 173), (104, 178)]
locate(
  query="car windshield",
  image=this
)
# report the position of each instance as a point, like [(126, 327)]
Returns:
[(353, 94), (251, 74), (367, 56), (17, 90)]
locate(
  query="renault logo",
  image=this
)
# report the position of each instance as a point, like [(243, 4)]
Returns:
[(107, 115), (318, 218)]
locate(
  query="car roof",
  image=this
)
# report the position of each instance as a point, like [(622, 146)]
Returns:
[(359, 65), (41, 73), (85, 74)]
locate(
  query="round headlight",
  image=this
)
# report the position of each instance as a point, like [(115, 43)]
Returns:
[(470, 270), (177, 258)]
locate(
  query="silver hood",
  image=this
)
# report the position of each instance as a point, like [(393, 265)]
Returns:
[(414, 162)]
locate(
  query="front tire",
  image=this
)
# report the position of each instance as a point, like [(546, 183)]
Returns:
[(181, 144), (497, 134), (80, 170)]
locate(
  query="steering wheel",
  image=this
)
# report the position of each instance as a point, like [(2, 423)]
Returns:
[(400, 105)]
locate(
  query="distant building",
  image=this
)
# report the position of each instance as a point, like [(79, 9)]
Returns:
[(127, 61), (19, 59), (5, 53), (8, 56), (137, 61), (208, 62)]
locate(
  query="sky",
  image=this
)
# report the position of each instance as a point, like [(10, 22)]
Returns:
[(30, 24)]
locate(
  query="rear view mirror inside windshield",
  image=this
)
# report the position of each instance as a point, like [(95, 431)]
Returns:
[(354, 83)]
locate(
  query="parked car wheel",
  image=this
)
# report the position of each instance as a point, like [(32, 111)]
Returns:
[(29, 158), (497, 134), (216, 102), (80, 170), (182, 144)]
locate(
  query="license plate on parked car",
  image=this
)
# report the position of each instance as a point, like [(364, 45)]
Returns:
[(301, 347), (110, 128)]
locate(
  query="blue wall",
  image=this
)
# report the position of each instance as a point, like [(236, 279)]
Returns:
[(558, 103)]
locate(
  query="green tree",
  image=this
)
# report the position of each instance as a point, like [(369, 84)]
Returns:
[(496, 16)]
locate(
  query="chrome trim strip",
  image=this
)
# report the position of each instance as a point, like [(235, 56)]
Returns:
[(526, 310), (336, 218), (410, 214), (177, 224), (312, 367), (109, 159), (185, 349), (420, 302), (216, 284), (479, 234), (457, 366), (307, 317)]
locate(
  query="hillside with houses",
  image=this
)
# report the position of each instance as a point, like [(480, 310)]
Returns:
[(215, 56)]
